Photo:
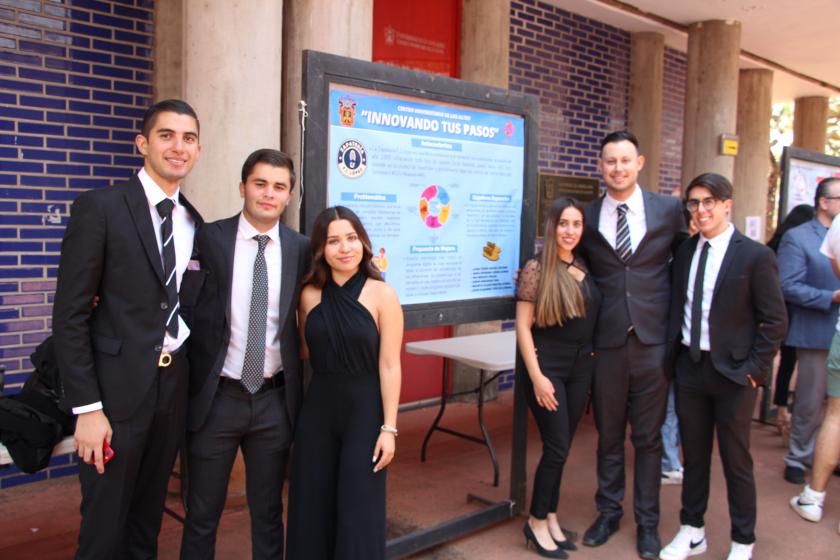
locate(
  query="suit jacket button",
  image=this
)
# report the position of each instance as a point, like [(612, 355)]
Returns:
[(164, 305), (158, 348)]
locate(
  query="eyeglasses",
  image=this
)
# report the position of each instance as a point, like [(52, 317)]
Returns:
[(692, 204), (831, 197)]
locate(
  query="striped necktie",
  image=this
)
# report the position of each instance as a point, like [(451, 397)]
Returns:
[(254, 364), (164, 208), (622, 234)]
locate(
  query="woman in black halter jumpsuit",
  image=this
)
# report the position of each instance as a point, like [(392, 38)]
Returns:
[(337, 494)]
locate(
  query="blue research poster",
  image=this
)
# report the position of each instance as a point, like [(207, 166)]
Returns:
[(438, 186)]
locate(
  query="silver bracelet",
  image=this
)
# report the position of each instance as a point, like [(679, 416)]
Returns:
[(389, 429)]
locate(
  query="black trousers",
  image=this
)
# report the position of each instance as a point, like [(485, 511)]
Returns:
[(122, 508), (571, 389), (630, 386), (787, 362), (260, 426), (707, 401)]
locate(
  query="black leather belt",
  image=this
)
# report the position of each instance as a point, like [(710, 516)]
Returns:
[(274, 382)]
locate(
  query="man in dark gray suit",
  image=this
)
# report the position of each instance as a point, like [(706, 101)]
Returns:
[(245, 380), (629, 241)]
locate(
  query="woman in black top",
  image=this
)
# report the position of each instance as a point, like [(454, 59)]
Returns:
[(555, 318), (352, 326)]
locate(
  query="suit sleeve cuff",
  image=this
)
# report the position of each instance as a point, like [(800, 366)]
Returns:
[(87, 408)]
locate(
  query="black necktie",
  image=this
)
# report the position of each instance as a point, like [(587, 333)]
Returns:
[(252, 368), (164, 208), (622, 234), (697, 303)]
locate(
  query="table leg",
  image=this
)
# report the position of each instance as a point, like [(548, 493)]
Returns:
[(484, 434), (443, 395)]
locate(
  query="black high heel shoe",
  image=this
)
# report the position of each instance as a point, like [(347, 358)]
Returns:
[(565, 545), (531, 538)]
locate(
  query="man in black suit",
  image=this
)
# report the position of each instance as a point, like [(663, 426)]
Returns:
[(245, 375), (728, 319), (121, 362), (629, 239)]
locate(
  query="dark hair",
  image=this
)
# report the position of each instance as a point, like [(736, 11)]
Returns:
[(320, 271), (620, 136), (822, 188), (718, 185), (796, 217), (274, 158), (166, 106)]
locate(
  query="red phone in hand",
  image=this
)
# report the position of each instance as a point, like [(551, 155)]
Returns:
[(107, 453)]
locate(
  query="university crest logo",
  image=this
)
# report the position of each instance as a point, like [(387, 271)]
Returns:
[(346, 111)]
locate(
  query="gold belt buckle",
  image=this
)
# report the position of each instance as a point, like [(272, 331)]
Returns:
[(164, 360)]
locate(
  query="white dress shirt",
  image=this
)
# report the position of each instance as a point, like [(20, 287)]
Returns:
[(635, 217), (183, 229), (717, 250), (240, 300)]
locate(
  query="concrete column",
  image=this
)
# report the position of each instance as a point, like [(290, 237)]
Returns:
[(647, 54), (168, 52), (711, 98), (752, 165), (485, 49), (344, 28), (810, 119)]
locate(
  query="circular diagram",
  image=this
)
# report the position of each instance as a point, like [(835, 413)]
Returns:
[(434, 206)]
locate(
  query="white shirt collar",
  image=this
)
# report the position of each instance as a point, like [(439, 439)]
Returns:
[(153, 192), (247, 231), (720, 241), (635, 203)]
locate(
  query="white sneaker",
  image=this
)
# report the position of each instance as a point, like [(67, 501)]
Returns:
[(690, 541), (809, 504), (672, 477), (740, 551)]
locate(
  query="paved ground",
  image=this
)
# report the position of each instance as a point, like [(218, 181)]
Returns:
[(39, 521)]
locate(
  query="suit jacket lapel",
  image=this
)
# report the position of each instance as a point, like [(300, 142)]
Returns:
[(288, 271), (728, 259), (138, 206), (227, 231)]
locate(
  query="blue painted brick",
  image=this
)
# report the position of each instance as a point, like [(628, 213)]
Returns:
[(113, 122), (21, 272), (93, 5), (66, 143), (20, 246), (20, 140), (43, 233), (112, 71), (80, 15), (110, 171), (132, 12), (132, 86), (67, 169), (71, 118), (17, 85), (90, 56), (20, 58), (8, 179), (46, 155), (90, 30), (37, 181), (110, 46), (19, 220), (8, 233), (133, 37), (143, 51), (70, 470), (32, 46), (6, 124), (136, 112), (114, 147), (132, 62), (130, 161), (42, 207), (45, 102), (9, 287), (85, 132), (8, 313), (22, 166), (73, 183), (112, 97), (10, 153), (9, 98), (89, 81), (111, 21), (90, 158), (64, 91), (38, 128), (99, 108), (124, 135), (7, 70), (143, 77), (71, 65), (8, 482)]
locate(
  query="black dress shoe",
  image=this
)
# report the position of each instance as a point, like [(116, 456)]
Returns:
[(531, 539), (647, 542), (600, 531), (795, 475)]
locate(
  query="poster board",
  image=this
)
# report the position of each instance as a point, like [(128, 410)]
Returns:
[(801, 171), (441, 172)]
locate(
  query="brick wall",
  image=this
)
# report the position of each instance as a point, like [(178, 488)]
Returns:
[(75, 78), (673, 105), (580, 70)]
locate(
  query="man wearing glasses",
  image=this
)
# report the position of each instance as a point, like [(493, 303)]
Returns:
[(727, 320), (812, 293)]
